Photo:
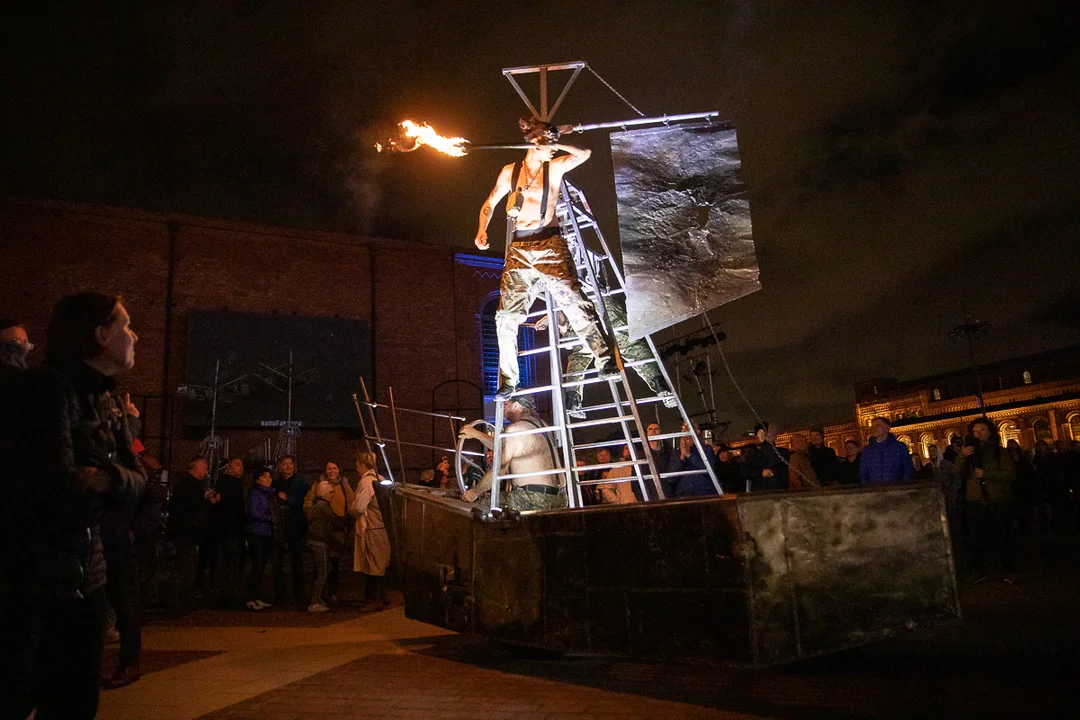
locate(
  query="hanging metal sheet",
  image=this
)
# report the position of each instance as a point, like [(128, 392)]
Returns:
[(684, 223)]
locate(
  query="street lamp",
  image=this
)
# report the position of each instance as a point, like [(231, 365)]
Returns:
[(970, 330)]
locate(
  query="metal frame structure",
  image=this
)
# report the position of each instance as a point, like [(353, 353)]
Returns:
[(574, 214)]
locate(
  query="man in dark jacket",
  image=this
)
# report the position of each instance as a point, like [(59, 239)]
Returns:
[(823, 458), (189, 511), (849, 466), (291, 490), (766, 466), (74, 459), (228, 519), (685, 458), (885, 460)]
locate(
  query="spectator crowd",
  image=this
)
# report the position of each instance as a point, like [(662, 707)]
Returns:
[(89, 515), (994, 493), (87, 507)]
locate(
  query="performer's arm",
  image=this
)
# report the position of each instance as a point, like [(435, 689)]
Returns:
[(502, 187), (484, 484), (574, 157), (468, 432)]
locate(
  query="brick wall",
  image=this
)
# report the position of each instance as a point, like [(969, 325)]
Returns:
[(422, 305)]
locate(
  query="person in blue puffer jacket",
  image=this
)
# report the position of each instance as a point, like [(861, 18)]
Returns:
[(885, 460), (263, 525)]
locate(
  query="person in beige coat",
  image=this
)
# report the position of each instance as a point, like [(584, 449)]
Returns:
[(371, 550)]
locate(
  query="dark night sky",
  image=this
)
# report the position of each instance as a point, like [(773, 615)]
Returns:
[(908, 164)]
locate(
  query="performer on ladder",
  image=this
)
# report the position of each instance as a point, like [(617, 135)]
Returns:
[(537, 257)]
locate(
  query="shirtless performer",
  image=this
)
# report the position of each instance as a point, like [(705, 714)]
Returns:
[(522, 454), (538, 257)]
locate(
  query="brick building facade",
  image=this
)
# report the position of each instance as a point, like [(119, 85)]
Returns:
[(422, 302)]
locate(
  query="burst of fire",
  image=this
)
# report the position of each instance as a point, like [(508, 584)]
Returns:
[(415, 135)]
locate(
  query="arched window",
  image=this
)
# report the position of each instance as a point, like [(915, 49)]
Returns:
[(1008, 431), (1072, 426), (1041, 427), (906, 440), (925, 441), (1027, 377)]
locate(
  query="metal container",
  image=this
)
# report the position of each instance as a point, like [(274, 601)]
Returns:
[(754, 579)]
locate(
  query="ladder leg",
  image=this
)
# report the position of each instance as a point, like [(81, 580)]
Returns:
[(496, 456), (617, 398), (558, 411)]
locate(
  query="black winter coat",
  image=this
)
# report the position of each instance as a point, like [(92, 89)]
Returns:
[(189, 511), (67, 422)]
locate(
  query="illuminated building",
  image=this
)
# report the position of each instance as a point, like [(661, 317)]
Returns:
[(1030, 398)]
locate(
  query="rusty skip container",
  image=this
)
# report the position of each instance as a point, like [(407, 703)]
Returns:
[(753, 579)]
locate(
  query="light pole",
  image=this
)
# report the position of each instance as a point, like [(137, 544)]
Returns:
[(970, 330)]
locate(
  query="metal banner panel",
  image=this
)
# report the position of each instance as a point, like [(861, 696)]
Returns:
[(684, 223)]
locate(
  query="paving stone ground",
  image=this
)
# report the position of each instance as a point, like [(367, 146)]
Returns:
[(1015, 654)]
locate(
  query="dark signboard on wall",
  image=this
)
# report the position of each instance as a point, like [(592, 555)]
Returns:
[(329, 355)]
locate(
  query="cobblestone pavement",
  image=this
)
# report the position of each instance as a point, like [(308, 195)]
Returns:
[(1015, 654)]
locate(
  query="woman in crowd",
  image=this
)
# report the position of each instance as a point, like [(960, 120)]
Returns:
[(72, 460), (989, 474), (263, 530), (371, 551), (326, 508)]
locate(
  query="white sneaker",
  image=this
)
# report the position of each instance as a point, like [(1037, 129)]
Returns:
[(317, 607), (253, 605), (263, 605)]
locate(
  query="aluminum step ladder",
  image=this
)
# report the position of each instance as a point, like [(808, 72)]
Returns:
[(601, 279)]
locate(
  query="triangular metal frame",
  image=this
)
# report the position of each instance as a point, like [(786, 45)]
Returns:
[(544, 114)]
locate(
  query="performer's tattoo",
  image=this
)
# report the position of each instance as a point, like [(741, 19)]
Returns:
[(487, 210)]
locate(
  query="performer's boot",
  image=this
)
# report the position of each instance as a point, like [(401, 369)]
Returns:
[(660, 387), (505, 392), (573, 405), (610, 371)]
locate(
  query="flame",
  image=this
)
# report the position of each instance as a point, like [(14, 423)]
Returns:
[(423, 134)]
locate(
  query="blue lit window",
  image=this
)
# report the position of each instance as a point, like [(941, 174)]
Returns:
[(489, 350)]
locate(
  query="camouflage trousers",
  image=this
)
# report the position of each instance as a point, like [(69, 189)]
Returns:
[(615, 305), (520, 498), (533, 266)]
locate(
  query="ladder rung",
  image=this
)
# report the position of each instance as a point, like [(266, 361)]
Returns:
[(668, 436), (564, 345), (600, 421), (680, 473), (531, 431), (592, 370), (587, 381), (534, 351), (624, 403), (609, 466), (605, 481), (605, 444), (533, 390)]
